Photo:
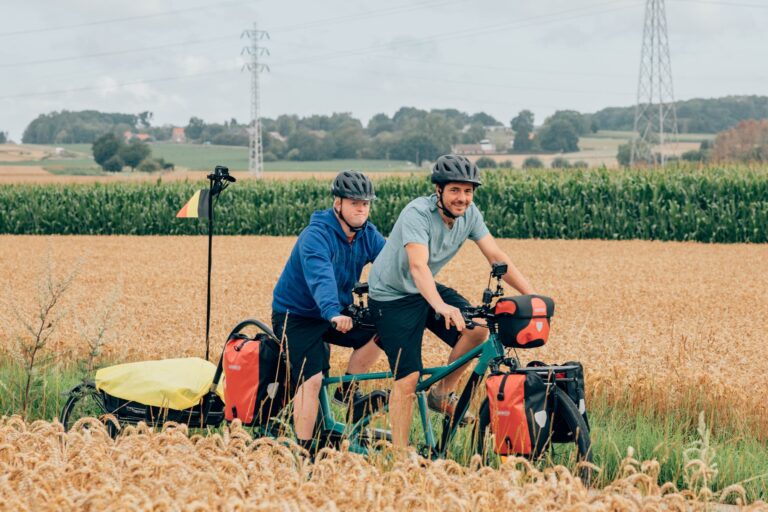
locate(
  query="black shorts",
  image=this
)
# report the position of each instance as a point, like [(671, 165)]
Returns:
[(401, 323), (305, 342)]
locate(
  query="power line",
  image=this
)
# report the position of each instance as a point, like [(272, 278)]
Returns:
[(380, 12), (453, 35), (398, 9), (729, 4), (445, 80), (120, 20), (112, 53), (469, 65), (117, 85)]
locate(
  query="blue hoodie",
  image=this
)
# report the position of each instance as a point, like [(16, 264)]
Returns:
[(323, 267)]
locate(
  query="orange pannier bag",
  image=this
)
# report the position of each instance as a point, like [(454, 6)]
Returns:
[(520, 413), (523, 321), (254, 378)]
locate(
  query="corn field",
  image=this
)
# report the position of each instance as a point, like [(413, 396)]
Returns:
[(712, 204)]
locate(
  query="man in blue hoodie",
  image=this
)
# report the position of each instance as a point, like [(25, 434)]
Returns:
[(311, 296)]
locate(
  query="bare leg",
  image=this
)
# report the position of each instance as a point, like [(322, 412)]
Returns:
[(363, 358), (401, 408), (469, 339), (305, 405)]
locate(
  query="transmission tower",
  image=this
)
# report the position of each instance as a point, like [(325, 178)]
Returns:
[(255, 153), (655, 115)]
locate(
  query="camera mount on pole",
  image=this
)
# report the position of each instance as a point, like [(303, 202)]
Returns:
[(219, 180)]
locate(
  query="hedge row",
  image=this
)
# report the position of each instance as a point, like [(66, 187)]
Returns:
[(707, 205)]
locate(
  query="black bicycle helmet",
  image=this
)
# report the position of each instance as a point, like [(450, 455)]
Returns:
[(450, 168), (353, 185)]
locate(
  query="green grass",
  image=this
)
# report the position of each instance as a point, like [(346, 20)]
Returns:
[(338, 165), (62, 166), (206, 157), (67, 169), (198, 157), (625, 136), (24, 163), (615, 427)]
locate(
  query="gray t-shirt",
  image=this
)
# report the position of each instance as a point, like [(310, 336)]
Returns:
[(420, 223)]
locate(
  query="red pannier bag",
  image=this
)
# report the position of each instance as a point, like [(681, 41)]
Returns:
[(523, 321), (520, 413), (254, 378)]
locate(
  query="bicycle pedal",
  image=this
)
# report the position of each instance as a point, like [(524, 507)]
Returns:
[(373, 435), (368, 404)]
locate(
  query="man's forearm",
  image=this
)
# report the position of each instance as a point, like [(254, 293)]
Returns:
[(425, 283), (514, 277)]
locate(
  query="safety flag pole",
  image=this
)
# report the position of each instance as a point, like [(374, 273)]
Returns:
[(210, 263), (200, 206)]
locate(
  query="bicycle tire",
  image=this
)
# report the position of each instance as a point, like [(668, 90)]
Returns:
[(567, 411), (83, 401)]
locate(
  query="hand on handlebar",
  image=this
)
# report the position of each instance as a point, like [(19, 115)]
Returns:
[(452, 316), (342, 323)]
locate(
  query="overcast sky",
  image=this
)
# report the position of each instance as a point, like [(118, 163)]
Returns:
[(182, 58)]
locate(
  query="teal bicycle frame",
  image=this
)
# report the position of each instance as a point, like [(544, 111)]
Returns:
[(486, 352)]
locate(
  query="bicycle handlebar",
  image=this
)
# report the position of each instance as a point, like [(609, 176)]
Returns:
[(360, 312)]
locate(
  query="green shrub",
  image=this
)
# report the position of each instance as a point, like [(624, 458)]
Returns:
[(114, 164), (149, 165), (532, 162), (486, 163)]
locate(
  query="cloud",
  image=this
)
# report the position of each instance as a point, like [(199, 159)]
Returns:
[(193, 64), (413, 47)]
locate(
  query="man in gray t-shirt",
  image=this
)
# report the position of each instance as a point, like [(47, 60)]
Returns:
[(405, 299), (420, 223)]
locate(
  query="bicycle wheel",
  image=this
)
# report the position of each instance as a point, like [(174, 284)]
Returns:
[(567, 411), (86, 401)]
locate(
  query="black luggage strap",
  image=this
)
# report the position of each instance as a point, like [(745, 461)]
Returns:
[(500, 394)]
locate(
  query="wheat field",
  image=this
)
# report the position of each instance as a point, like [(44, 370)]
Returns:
[(662, 321), (658, 326), (45, 468)]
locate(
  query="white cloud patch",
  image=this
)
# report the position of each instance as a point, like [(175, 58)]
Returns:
[(414, 47), (193, 64), (126, 93)]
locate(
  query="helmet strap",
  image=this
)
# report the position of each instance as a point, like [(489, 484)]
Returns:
[(350, 226), (441, 204)]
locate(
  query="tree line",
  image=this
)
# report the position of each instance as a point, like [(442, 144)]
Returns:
[(410, 134), (698, 115)]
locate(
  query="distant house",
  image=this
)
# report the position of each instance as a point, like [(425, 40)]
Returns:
[(485, 147), (129, 136), (178, 135), (467, 149)]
